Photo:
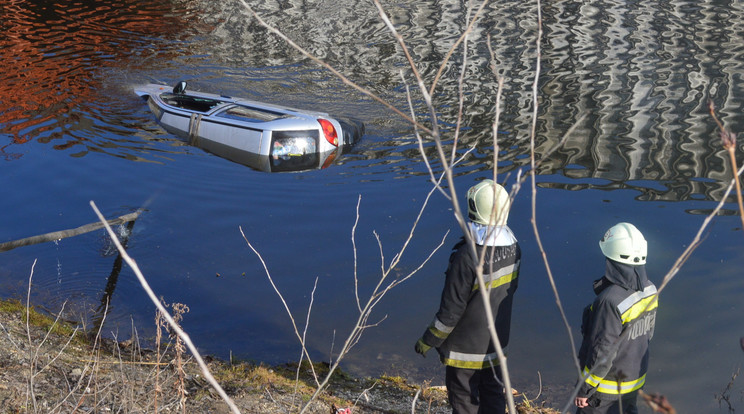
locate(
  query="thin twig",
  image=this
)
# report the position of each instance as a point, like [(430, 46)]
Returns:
[(354, 249), (463, 38), (415, 398), (57, 235), (10, 337), (304, 341), (59, 351), (420, 142), (728, 139), (32, 365), (697, 240), (281, 297), (365, 393), (330, 68), (377, 294), (185, 337), (133, 363), (533, 173), (85, 369), (89, 368)]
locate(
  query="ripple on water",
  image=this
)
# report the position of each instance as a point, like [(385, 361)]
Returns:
[(641, 72)]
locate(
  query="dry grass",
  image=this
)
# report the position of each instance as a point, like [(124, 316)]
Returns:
[(73, 372), (90, 374)]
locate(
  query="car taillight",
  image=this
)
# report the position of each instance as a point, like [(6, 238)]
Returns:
[(329, 131)]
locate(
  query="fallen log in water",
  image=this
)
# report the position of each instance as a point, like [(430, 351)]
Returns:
[(43, 238)]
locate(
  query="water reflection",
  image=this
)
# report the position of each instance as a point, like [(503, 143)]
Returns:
[(644, 73), (641, 72), (100, 314), (54, 53)]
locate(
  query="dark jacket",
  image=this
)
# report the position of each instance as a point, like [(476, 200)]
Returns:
[(460, 329), (617, 328)]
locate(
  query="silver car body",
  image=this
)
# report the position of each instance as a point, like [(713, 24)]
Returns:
[(263, 136)]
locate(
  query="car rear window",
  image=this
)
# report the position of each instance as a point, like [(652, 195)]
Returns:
[(250, 114)]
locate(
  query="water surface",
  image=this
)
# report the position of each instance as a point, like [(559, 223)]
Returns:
[(641, 74)]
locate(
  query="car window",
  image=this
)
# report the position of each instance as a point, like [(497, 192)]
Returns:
[(190, 103), (249, 114)]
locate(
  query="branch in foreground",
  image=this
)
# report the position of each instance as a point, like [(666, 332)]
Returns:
[(56, 235), (728, 139), (299, 336), (166, 315), (365, 311), (451, 194), (333, 70)]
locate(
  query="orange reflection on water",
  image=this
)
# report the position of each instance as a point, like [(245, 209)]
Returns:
[(54, 51)]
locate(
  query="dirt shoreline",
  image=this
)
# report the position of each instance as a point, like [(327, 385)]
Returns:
[(49, 367)]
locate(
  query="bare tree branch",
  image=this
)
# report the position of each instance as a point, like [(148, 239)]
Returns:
[(281, 297), (322, 63), (56, 235), (185, 337), (463, 37)]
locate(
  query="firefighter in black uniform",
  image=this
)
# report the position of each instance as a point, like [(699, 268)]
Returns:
[(460, 330), (617, 327)]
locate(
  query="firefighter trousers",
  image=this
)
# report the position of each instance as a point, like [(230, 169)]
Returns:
[(475, 391)]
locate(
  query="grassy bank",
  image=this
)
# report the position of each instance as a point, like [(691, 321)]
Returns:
[(51, 366)]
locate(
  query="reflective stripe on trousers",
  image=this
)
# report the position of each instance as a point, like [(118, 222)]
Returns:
[(470, 361)]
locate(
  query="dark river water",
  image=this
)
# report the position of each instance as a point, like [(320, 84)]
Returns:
[(646, 151)]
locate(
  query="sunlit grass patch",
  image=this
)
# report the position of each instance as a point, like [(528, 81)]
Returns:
[(40, 320)]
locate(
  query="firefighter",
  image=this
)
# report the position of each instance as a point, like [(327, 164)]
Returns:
[(460, 331), (617, 327)]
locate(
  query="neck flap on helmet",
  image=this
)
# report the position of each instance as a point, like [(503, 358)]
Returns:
[(627, 276)]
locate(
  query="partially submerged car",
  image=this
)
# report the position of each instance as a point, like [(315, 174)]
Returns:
[(262, 136)]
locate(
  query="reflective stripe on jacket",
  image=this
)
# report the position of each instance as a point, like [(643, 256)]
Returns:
[(459, 330), (613, 387)]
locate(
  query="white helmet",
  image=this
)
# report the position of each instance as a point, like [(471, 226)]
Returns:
[(625, 244), (488, 203)]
